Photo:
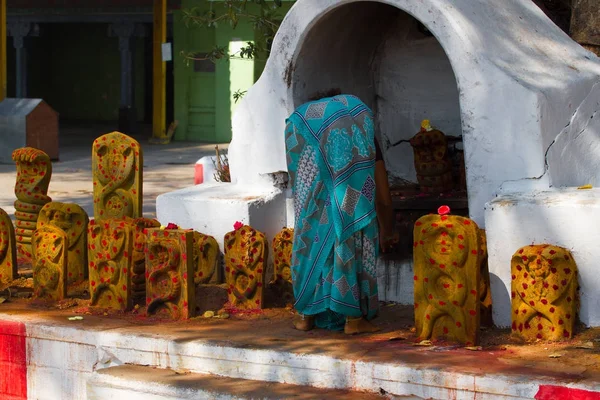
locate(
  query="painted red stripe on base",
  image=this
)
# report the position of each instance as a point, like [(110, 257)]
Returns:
[(548, 392), (13, 361)]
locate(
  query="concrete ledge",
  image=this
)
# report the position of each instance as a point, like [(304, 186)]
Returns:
[(63, 356), (134, 382), (213, 208), (563, 217)]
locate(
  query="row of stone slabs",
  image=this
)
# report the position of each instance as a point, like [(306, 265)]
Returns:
[(129, 256)]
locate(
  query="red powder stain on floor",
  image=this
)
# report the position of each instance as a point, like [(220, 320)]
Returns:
[(13, 361), (548, 392)]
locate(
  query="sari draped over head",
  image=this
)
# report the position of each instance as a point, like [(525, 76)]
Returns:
[(330, 147)]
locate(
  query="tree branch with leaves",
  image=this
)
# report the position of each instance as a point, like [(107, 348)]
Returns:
[(262, 14)]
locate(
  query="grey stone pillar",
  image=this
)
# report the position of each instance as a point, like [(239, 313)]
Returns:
[(124, 31), (19, 31)]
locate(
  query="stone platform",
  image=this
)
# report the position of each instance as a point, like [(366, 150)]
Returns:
[(564, 217), (43, 355)]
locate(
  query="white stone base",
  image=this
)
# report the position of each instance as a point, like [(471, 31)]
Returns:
[(213, 208), (395, 280), (567, 218), (63, 363)]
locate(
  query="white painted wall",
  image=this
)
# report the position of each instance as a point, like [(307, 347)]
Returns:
[(563, 217), (519, 79), (414, 81)]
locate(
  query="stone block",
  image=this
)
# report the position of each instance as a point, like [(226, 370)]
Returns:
[(110, 254), (8, 249), (485, 291), (50, 246), (562, 217), (138, 269), (117, 164), (206, 257), (246, 253), (170, 284), (447, 260), (281, 285), (34, 170), (73, 220), (544, 293)]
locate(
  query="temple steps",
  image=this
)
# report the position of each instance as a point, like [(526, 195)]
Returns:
[(134, 382)]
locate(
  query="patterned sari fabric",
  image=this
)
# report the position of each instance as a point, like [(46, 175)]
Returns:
[(331, 162)]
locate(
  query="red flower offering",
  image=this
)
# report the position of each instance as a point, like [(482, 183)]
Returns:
[(172, 226), (444, 210), (237, 225)]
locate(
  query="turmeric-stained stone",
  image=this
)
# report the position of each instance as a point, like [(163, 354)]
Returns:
[(170, 284), (34, 171), (50, 247), (73, 220), (246, 253), (282, 256), (485, 291), (8, 249), (110, 255), (138, 276), (544, 293), (447, 259), (117, 174), (206, 260), (432, 162)]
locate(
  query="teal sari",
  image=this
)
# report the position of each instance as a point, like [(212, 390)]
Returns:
[(330, 147)]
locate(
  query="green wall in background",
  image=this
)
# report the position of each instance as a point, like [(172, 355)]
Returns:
[(197, 92)]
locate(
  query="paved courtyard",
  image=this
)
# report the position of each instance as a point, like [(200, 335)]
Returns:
[(166, 168)]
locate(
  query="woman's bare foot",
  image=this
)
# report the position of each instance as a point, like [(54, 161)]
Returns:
[(356, 325), (304, 322)]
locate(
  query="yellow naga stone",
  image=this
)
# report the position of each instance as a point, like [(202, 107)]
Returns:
[(138, 276), (8, 250), (73, 220), (50, 247), (110, 254), (432, 162), (246, 252), (206, 260), (34, 171), (485, 291), (544, 293), (170, 284), (117, 163), (282, 256), (448, 255)]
